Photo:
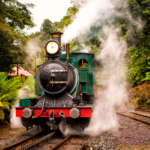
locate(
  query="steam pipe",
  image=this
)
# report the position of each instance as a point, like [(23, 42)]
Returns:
[(67, 52), (33, 117)]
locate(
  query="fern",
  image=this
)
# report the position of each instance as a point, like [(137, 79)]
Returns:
[(8, 91)]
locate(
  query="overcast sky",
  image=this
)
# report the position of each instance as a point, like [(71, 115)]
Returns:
[(53, 10)]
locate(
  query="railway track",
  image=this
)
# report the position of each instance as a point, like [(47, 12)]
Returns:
[(51, 141), (20, 143), (144, 118), (28, 142), (60, 143)]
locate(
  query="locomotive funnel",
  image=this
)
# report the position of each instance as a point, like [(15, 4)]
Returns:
[(56, 36)]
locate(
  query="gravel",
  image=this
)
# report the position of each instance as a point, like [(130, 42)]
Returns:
[(131, 135), (132, 132)]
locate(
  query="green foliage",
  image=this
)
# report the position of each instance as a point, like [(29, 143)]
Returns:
[(66, 20), (137, 64), (137, 40), (9, 89), (14, 16), (46, 28)]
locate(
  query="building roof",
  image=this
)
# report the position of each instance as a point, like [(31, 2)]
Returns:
[(21, 71)]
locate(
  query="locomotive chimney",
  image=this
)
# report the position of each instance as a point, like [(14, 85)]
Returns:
[(67, 52), (56, 36)]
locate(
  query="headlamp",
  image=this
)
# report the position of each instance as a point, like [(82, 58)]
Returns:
[(52, 47)]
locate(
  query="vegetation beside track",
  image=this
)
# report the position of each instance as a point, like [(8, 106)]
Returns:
[(9, 90), (140, 96)]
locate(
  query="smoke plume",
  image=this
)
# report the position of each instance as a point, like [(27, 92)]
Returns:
[(93, 11), (112, 75), (90, 11), (16, 121), (26, 91), (32, 49), (112, 80)]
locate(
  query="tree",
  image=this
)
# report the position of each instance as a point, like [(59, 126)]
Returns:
[(66, 20), (137, 38), (8, 92), (14, 17), (46, 28), (141, 52)]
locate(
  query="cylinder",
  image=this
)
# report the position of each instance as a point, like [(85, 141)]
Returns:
[(67, 51)]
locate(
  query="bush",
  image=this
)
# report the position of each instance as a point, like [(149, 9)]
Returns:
[(140, 95)]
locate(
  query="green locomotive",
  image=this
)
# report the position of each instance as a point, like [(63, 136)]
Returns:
[(64, 88)]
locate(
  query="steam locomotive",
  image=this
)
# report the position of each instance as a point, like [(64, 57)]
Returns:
[(64, 89)]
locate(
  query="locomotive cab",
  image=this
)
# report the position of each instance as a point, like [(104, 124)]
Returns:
[(64, 89)]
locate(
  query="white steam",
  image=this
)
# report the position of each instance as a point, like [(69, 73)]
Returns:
[(32, 49), (112, 79), (90, 11), (76, 130), (85, 49), (25, 91), (93, 11), (16, 121)]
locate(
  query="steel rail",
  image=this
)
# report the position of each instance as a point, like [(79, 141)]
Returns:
[(136, 113), (12, 146), (66, 142), (61, 142), (145, 122), (38, 141)]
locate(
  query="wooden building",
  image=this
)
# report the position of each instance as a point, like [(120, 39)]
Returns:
[(20, 71)]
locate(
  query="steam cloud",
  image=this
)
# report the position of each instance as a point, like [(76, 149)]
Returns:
[(32, 50), (112, 76), (93, 11), (90, 11), (16, 121), (112, 79), (25, 91)]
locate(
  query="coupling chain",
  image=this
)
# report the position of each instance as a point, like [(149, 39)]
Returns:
[(64, 124)]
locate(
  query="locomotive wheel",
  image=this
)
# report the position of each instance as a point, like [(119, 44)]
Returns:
[(27, 122)]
